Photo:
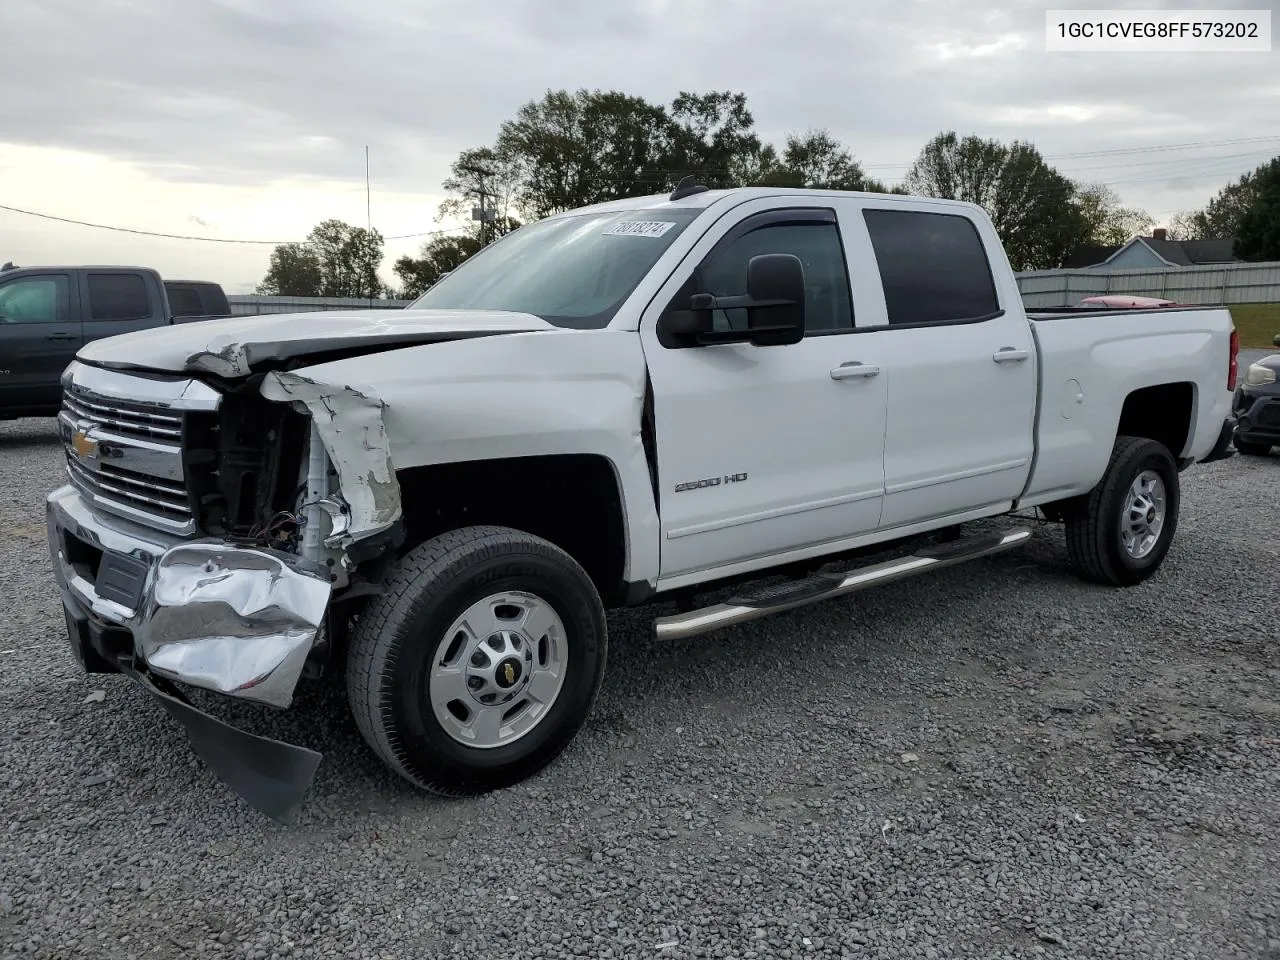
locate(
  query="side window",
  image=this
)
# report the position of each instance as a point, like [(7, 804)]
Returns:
[(34, 300), (118, 296), (933, 266), (826, 279), (184, 301)]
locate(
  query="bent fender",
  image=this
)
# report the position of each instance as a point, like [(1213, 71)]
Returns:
[(350, 425)]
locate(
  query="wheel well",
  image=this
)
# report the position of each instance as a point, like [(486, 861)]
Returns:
[(572, 500), (1161, 413)]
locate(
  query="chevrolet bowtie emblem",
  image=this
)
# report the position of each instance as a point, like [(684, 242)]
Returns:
[(509, 672), (84, 446)]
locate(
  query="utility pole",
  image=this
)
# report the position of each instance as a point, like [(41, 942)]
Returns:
[(482, 212), (368, 207)]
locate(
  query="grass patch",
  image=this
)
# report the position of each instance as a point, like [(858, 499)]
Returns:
[(1257, 323)]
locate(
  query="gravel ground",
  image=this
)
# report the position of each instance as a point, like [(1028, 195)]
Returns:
[(999, 761)]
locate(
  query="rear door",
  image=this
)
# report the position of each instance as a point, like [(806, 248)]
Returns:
[(960, 363), (120, 301), (39, 335)]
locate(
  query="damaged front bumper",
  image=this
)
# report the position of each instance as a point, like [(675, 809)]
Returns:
[(239, 621)]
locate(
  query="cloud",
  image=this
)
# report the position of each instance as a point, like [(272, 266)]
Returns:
[(255, 97)]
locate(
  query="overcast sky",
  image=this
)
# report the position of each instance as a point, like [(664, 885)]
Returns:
[(247, 119)]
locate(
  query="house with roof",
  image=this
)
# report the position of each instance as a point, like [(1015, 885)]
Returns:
[(1155, 251)]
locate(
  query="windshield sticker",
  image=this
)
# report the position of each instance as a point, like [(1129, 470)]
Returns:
[(639, 228)]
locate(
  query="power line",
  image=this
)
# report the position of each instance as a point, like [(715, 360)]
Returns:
[(144, 233), (1172, 161), (1201, 167), (1194, 144), (181, 236), (660, 179), (1154, 148), (428, 233)]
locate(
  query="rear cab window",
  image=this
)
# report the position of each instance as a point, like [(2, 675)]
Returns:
[(184, 300), (118, 296), (933, 267)]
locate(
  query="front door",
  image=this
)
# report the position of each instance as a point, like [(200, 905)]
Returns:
[(764, 450), (39, 336)]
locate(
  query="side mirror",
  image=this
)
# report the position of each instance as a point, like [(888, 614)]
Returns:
[(774, 303), (775, 284)]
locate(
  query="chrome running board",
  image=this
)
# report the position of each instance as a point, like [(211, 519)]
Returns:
[(827, 586)]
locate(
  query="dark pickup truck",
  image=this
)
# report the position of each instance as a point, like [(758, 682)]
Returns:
[(48, 313)]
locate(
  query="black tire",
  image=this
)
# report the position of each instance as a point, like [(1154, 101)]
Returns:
[(394, 647), (1252, 449), (1094, 522)]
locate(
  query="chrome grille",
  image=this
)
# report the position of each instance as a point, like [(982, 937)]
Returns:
[(123, 438), (129, 419), (169, 501)]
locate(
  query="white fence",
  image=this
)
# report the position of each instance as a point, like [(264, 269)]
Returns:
[(1228, 283), (252, 305)]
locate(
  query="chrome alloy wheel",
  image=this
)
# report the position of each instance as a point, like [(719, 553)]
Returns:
[(499, 669), (1144, 514)]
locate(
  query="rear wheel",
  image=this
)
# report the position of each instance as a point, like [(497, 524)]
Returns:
[(1120, 532), (1252, 449), (481, 661)]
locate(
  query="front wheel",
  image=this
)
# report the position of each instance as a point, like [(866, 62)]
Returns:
[(480, 662), (1120, 532)]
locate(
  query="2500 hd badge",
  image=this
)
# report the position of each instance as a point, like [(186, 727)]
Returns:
[(710, 482)]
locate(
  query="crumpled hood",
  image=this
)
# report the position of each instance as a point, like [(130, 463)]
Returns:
[(231, 346)]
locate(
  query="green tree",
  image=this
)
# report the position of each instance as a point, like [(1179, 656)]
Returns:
[(877, 186), (294, 272), (569, 150), (712, 137), (585, 147), (1104, 220), (349, 259), (1258, 235), (1031, 204), (1187, 225), (477, 169), (439, 255), (336, 260), (480, 168), (818, 161), (1223, 217)]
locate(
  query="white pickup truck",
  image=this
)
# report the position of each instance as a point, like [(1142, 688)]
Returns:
[(647, 399)]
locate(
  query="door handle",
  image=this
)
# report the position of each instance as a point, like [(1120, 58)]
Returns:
[(1010, 355), (854, 369), (62, 336)]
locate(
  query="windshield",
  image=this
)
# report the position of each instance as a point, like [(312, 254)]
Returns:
[(572, 271)]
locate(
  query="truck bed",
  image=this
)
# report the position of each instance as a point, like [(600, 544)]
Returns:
[(1091, 368)]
